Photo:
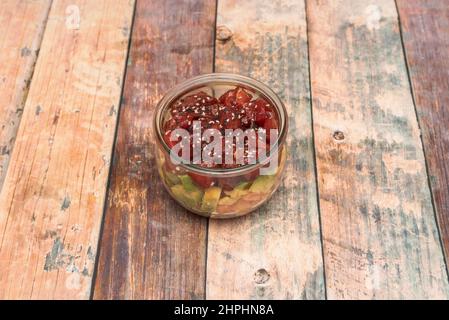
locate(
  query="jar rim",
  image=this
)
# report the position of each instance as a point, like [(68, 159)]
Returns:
[(223, 78)]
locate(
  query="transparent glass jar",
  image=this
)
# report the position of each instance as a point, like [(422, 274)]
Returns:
[(234, 191)]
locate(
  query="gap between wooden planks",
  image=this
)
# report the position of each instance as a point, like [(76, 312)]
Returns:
[(52, 200), (425, 31), (22, 24), (379, 231)]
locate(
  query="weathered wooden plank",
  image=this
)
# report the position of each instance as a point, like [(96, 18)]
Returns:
[(151, 247), (379, 230), (274, 253), (425, 28), (22, 24), (52, 200)]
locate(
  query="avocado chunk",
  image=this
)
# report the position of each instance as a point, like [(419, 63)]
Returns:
[(239, 191), (242, 186), (210, 199), (262, 184), (188, 183), (191, 199), (227, 201), (171, 178)]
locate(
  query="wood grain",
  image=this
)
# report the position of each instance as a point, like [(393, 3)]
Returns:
[(22, 24), (152, 248), (52, 200), (380, 236), (425, 30), (275, 252)]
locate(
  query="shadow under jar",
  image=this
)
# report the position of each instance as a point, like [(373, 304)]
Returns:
[(237, 179)]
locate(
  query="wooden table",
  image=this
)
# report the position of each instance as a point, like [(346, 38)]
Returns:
[(363, 212)]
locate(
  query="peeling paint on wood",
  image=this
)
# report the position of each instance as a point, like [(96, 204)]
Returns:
[(425, 31), (58, 162), (65, 203), (379, 231), (275, 252), (151, 247)]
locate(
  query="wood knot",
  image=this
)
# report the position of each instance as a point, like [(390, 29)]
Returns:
[(223, 33), (261, 276), (338, 135)]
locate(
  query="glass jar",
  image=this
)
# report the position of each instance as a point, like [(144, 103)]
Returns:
[(233, 191)]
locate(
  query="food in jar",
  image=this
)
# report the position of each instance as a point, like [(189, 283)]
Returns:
[(237, 108)]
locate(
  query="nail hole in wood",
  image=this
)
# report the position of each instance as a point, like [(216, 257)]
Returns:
[(223, 33), (338, 135), (261, 276)]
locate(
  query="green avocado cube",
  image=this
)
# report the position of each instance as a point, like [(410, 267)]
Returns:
[(227, 201), (191, 199), (210, 199), (188, 183), (171, 178), (262, 184), (239, 191), (242, 186)]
